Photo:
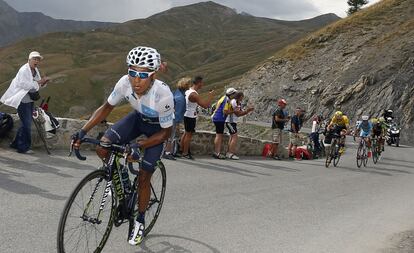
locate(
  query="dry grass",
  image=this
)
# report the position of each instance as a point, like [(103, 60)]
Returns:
[(371, 16)]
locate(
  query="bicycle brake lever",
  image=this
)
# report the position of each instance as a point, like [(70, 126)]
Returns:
[(71, 148)]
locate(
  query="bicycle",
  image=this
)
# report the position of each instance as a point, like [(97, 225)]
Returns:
[(334, 153), (38, 121), (362, 153), (105, 200)]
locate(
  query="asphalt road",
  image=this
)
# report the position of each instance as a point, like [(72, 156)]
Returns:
[(251, 205)]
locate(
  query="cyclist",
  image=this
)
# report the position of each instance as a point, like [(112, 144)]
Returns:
[(384, 127), (152, 116), (340, 125), (365, 130)]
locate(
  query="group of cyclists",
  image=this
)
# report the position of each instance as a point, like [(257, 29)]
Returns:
[(367, 128)]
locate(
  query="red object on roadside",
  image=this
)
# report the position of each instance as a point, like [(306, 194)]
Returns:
[(302, 153), (267, 150)]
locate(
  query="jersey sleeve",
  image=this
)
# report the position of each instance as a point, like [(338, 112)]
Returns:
[(166, 111), (346, 121), (117, 94)]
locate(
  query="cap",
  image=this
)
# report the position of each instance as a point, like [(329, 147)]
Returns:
[(35, 54), (230, 91)]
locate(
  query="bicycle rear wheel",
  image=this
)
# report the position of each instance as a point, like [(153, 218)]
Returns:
[(88, 216), (158, 184)]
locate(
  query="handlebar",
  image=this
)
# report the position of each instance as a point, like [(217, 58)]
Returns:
[(125, 149)]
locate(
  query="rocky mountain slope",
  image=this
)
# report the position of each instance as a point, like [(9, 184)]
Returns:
[(205, 38), (360, 65), (16, 25)]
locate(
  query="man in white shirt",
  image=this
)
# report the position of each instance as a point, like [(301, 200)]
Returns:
[(20, 95), (193, 100)]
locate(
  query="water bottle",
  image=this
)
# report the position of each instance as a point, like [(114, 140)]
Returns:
[(125, 180)]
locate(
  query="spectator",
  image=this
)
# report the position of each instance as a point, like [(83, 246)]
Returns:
[(21, 94), (234, 110), (296, 125), (193, 100), (219, 118), (279, 119), (316, 130), (179, 104)]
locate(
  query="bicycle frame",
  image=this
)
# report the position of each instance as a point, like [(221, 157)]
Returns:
[(114, 173)]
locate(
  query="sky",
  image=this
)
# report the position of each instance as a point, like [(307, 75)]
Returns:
[(124, 10)]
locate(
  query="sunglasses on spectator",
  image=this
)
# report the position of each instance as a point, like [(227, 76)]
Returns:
[(141, 75)]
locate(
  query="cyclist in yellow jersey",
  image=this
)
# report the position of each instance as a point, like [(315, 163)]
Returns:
[(340, 125)]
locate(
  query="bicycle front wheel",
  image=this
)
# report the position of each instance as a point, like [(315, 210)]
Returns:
[(330, 155), (360, 156), (337, 156), (88, 216)]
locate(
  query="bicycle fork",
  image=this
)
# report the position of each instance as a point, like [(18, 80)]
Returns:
[(107, 190)]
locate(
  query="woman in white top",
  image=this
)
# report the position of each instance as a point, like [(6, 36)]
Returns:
[(193, 100), (27, 81), (233, 111)]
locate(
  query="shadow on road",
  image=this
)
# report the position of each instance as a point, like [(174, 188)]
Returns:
[(269, 166), (175, 244), (220, 167), (8, 184)]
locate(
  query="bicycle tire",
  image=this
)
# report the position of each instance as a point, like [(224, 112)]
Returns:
[(330, 155), (101, 177), (365, 160), (337, 156), (158, 186), (375, 151), (359, 156)]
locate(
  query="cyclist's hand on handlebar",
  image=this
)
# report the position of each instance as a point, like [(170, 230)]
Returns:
[(135, 154), (77, 138)]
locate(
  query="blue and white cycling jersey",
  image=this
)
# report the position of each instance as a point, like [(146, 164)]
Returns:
[(157, 103), (366, 129)]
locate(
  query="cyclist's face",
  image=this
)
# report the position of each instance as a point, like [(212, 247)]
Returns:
[(140, 85)]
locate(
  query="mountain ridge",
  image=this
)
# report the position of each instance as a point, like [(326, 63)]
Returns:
[(16, 25)]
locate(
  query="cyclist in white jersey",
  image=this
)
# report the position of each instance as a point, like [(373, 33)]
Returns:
[(193, 100), (152, 116)]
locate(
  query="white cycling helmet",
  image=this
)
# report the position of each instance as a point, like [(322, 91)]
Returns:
[(145, 57), (365, 117)]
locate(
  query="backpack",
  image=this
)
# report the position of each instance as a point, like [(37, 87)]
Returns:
[(6, 123), (302, 153), (267, 150)]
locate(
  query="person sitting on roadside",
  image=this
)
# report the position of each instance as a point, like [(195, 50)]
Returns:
[(234, 110), (279, 119), (219, 119), (340, 125), (193, 100), (179, 104), (296, 125)]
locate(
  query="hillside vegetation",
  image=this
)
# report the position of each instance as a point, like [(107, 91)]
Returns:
[(205, 38)]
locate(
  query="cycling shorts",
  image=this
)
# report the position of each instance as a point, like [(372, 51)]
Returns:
[(132, 126)]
